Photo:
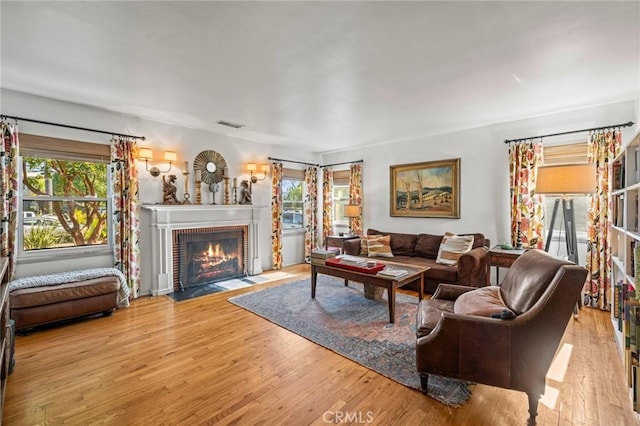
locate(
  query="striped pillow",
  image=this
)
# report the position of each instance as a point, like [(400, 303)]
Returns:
[(452, 247), (364, 243), (379, 246)]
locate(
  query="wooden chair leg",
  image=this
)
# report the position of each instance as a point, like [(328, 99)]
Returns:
[(424, 382), (533, 408)]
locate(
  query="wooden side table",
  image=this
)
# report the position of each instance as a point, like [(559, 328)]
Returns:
[(501, 258), (338, 241)]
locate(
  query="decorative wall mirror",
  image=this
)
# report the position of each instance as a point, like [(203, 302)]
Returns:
[(211, 166)]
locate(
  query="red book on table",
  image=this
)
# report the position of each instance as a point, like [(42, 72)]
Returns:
[(335, 262)]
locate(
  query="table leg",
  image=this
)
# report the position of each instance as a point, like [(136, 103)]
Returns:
[(421, 287), (391, 295), (314, 276), (346, 283)]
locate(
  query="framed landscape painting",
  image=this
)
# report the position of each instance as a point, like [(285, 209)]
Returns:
[(430, 189)]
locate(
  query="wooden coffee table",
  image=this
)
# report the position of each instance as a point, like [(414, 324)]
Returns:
[(391, 284)]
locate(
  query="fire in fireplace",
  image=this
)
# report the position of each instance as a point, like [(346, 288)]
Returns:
[(208, 255)]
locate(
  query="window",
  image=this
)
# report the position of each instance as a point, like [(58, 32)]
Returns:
[(292, 204), (340, 199), (65, 201), (566, 154)]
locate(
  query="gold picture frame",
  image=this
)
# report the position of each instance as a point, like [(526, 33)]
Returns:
[(428, 189)]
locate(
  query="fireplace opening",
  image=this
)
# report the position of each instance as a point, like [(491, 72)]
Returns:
[(208, 255)]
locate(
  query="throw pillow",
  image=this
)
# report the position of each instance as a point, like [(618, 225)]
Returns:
[(379, 247), (364, 244), (452, 247), (485, 302)]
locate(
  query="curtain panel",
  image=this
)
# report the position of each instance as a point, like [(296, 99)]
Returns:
[(310, 211), (327, 202), (355, 197), (126, 222), (602, 149), (276, 214), (527, 208), (9, 152)]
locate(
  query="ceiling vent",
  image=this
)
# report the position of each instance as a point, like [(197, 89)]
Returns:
[(230, 124)]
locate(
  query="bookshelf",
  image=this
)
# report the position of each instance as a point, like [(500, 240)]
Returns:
[(625, 269)]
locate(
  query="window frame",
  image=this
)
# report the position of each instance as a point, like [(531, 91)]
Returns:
[(292, 177), (341, 178), (34, 256), (339, 223), (557, 154)]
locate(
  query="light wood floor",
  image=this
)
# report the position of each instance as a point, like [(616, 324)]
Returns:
[(206, 361)]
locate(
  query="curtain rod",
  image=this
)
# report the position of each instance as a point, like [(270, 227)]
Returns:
[(293, 161), (627, 124), (344, 162), (317, 165), (86, 129)]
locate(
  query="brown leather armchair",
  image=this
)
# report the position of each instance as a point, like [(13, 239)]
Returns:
[(504, 336)]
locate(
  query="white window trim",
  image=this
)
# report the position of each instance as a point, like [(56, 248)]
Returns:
[(339, 223), (298, 230), (34, 256)]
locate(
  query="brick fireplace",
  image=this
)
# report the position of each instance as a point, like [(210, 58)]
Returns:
[(207, 255), (211, 242)]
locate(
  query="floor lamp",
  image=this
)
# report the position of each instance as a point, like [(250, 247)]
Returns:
[(566, 180)]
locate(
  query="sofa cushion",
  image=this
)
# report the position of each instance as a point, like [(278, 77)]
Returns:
[(436, 272), (452, 247), (401, 244), (440, 272), (379, 246), (427, 245), (485, 301), (364, 243)]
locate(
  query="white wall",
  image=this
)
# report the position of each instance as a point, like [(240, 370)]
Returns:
[(484, 172), (186, 142)]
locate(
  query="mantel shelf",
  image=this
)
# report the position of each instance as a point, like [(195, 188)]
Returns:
[(187, 207)]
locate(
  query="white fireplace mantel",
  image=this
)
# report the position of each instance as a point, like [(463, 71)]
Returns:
[(157, 221)]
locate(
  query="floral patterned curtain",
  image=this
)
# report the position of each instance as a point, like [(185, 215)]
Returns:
[(355, 197), (527, 209), (327, 202), (126, 223), (276, 214), (310, 211), (602, 148), (9, 153)]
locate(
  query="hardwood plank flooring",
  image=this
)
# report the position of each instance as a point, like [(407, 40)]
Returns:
[(206, 361)]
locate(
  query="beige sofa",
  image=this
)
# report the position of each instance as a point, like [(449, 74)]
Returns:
[(472, 269)]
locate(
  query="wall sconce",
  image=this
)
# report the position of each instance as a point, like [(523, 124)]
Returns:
[(146, 154), (252, 167)]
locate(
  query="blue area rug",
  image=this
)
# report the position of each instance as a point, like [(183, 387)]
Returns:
[(341, 319)]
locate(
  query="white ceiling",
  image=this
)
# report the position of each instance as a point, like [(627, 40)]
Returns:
[(324, 75)]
